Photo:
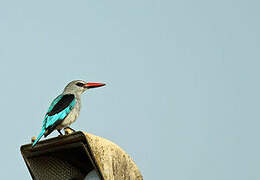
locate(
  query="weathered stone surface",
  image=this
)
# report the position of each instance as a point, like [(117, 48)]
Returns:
[(114, 163)]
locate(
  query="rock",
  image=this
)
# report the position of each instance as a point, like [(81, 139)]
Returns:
[(113, 162)]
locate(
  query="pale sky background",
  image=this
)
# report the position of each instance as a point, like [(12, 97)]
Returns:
[(182, 95)]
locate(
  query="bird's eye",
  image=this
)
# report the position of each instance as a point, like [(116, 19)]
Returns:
[(80, 84)]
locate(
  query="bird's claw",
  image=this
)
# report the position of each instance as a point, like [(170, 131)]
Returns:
[(68, 130)]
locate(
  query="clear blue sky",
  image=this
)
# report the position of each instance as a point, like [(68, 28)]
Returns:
[(182, 95)]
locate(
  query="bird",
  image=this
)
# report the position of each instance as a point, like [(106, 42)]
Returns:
[(65, 108)]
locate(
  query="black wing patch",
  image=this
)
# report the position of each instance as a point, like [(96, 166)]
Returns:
[(63, 103)]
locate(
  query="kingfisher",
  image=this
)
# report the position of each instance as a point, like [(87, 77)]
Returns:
[(65, 108)]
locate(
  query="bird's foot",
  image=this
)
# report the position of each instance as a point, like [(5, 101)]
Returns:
[(68, 130)]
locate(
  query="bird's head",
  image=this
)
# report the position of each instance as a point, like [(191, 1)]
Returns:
[(79, 86)]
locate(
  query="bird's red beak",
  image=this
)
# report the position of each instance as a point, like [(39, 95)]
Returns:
[(93, 85)]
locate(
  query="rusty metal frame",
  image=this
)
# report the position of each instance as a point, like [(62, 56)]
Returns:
[(76, 139)]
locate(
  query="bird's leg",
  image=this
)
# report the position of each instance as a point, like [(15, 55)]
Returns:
[(59, 132), (71, 129)]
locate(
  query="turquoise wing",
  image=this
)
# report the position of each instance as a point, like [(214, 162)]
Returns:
[(58, 111)]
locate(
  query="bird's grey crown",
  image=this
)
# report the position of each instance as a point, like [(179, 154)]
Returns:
[(74, 87)]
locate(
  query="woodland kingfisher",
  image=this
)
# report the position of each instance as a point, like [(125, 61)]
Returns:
[(65, 108)]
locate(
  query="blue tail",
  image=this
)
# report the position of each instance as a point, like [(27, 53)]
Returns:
[(38, 138)]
